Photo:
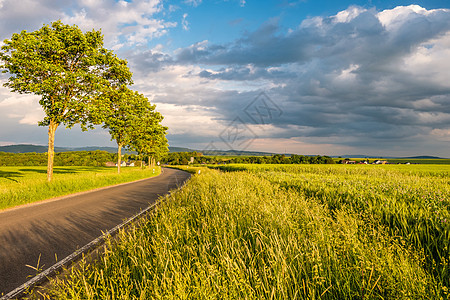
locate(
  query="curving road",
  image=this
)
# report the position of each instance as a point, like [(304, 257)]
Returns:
[(54, 229)]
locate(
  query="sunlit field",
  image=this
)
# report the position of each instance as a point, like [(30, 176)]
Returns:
[(283, 232), (22, 185)]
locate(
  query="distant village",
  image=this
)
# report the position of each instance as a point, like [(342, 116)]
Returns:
[(347, 161)]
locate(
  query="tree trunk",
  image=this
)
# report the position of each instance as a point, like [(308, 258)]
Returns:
[(149, 161), (51, 149), (119, 157)]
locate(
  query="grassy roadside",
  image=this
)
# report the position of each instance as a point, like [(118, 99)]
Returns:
[(190, 169), (23, 185), (246, 235)]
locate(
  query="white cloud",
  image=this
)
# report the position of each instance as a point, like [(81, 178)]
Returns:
[(97, 4), (194, 3), (33, 117), (396, 17), (347, 75), (173, 8), (132, 22), (24, 108), (359, 79), (430, 61), (347, 15), (432, 118), (122, 22), (441, 134), (81, 19), (312, 22), (184, 22), (177, 116)]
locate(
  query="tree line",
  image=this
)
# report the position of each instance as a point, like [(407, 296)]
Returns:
[(73, 158), (81, 82), (97, 158), (100, 158), (185, 158)]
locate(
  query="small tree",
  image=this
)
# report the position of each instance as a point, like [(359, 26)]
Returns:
[(123, 117), (69, 69), (149, 138), (155, 146)]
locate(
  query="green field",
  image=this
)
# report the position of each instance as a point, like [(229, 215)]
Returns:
[(283, 232), (425, 161), (421, 161), (22, 185)]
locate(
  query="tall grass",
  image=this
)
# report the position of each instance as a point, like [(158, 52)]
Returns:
[(22, 185), (241, 236), (411, 202)]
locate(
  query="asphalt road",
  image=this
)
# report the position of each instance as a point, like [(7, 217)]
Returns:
[(52, 230)]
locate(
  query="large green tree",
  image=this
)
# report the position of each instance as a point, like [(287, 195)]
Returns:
[(69, 69)]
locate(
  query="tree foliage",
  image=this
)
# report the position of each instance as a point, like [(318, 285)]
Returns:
[(133, 123), (149, 138), (69, 69), (80, 82), (184, 158), (124, 106), (72, 158)]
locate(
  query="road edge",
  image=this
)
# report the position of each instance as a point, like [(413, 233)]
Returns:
[(53, 199), (71, 259)]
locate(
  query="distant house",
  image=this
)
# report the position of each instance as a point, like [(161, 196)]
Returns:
[(111, 164), (124, 164), (379, 162), (348, 162)]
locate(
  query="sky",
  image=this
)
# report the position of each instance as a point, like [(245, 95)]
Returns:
[(287, 76)]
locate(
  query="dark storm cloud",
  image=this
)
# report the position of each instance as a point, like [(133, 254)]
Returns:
[(354, 79), (264, 47), (243, 73), (339, 77), (362, 40)]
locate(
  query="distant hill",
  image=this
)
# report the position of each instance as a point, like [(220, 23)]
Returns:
[(388, 157), (223, 152), (25, 148), (180, 149), (236, 153), (353, 156), (422, 157)]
